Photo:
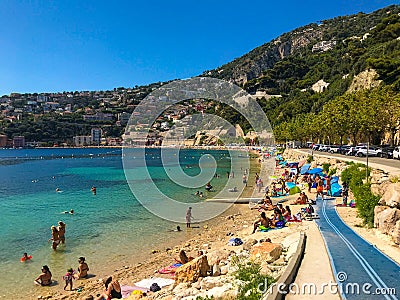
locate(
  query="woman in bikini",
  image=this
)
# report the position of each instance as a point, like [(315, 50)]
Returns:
[(44, 279), (61, 231), (112, 291), (54, 237), (82, 269)]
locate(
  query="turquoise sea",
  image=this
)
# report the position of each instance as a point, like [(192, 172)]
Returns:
[(108, 228)]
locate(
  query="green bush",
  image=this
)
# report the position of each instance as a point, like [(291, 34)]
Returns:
[(249, 273), (332, 172), (365, 199), (325, 167)]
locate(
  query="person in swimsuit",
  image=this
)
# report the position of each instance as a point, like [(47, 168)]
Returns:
[(61, 231), (54, 237), (112, 291), (188, 217), (68, 277), (262, 221), (82, 269), (44, 279)]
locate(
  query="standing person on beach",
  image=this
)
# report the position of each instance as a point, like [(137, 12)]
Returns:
[(61, 231), (244, 179), (328, 186), (309, 182), (54, 237), (189, 217), (68, 277)]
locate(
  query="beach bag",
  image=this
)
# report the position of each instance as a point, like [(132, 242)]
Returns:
[(155, 287), (235, 242), (280, 224)]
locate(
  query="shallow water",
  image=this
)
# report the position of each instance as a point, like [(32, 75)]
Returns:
[(106, 228)]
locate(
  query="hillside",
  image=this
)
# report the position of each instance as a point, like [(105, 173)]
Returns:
[(296, 74), (300, 79)]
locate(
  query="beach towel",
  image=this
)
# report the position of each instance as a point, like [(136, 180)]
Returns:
[(146, 283), (126, 290), (169, 269)]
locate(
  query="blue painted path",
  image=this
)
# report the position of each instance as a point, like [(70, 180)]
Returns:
[(360, 269)]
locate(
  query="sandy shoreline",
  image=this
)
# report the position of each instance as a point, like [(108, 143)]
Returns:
[(210, 236), (146, 263)]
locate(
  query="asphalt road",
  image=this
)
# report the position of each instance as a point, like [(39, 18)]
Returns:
[(394, 163)]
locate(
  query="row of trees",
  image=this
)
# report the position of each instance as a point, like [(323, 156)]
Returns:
[(359, 116)]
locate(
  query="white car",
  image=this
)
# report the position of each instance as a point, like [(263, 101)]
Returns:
[(371, 151), (396, 152), (324, 148)]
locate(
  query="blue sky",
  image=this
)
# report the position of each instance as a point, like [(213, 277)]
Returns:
[(51, 46)]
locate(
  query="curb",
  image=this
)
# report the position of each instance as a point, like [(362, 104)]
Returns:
[(281, 287)]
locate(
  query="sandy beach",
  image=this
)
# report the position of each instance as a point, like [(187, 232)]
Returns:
[(214, 235)]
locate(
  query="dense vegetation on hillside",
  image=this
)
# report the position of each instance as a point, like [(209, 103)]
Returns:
[(363, 42), (335, 51)]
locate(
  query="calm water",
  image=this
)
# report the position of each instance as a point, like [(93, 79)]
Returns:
[(106, 228)]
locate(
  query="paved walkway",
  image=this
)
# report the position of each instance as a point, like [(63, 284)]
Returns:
[(314, 269), (362, 271)]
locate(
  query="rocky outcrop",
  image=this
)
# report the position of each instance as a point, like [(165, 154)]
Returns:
[(391, 197), (191, 271), (365, 80), (268, 252)]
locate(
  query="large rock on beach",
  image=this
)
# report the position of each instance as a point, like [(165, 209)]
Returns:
[(385, 220), (191, 271), (215, 256), (249, 243), (391, 197), (396, 233), (268, 252)]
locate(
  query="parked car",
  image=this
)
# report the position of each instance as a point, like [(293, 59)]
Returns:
[(396, 152), (324, 148), (352, 151), (316, 147), (334, 149), (344, 149), (386, 152), (371, 151)]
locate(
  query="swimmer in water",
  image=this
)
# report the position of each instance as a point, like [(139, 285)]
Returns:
[(93, 189), (25, 257)]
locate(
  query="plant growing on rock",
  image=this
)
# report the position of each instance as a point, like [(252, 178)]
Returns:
[(248, 272)]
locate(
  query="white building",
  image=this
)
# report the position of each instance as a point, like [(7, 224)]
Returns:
[(96, 134), (82, 140)]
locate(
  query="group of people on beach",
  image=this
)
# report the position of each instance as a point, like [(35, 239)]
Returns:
[(280, 216), (45, 278)]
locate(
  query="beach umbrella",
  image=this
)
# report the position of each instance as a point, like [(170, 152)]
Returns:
[(334, 179), (315, 171), (273, 177), (304, 169), (336, 189)]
